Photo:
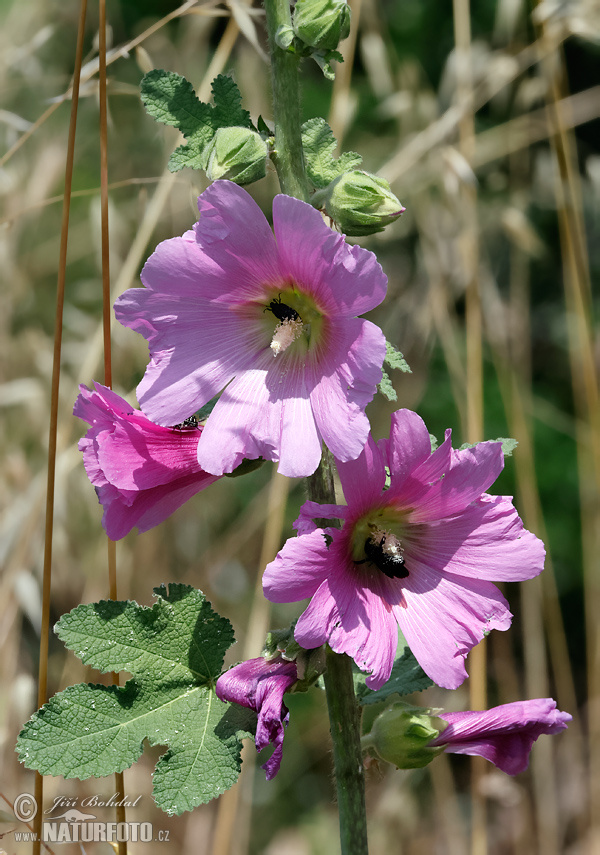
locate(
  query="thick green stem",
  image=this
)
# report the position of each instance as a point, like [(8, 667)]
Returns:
[(344, 721), (288, 156), (344, 715)]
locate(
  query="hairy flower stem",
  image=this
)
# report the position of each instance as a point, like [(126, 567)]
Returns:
[(344, 714), (347, 755), (341, 699), (288, 156)]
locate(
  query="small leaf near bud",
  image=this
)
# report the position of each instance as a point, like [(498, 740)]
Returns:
[(401, 735), (239, 154), (322, 24), (359, 203)]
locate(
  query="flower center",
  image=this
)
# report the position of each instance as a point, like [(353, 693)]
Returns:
[(375, 542), (298, 316)]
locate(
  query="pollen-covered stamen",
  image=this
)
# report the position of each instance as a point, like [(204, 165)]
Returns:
[(285, 334), (384, 550)]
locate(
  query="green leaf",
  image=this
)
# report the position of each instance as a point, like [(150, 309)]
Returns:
[(386, 388), (190, 154), (170, 99), (324, 58), (319, 145), (508, 445), (174, 650), (263, 129), (395, 359), (407, 677), (228, 111)]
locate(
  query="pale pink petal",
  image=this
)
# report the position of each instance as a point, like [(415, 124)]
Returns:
[(298, 570), (471, 472), (310, 511), (408, 446), (341, 394), (306, 245), (250, 420), (206, 312), (445, 617), (234, 233), (486, 541), (363, 479)]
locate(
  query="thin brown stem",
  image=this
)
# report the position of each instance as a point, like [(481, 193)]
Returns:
[(52, 435)]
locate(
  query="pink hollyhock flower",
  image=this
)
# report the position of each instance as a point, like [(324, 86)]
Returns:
[(503, 735), (260, 684), (270, 320), (418, 554), (142, 472)]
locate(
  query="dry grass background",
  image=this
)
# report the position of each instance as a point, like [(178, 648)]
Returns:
[(490, 299)]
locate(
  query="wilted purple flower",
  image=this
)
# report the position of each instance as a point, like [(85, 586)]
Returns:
[(260, 684), (418, 554), (142, 472), (503, 735), (268, 320)]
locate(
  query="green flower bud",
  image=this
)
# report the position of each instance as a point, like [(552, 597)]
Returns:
[(239, 154), (322, 23), (401, 735), (359, 203)]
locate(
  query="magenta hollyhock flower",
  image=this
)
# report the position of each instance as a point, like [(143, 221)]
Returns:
[(270, 320), (260, 684), (503, 735), (418, 554), (142, 472)]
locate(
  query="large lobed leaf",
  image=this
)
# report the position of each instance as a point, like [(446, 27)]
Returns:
[(170, 98), (174, 650)]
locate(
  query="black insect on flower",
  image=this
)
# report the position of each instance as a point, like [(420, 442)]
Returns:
[(389, 562), (282, 311), (191, 423)]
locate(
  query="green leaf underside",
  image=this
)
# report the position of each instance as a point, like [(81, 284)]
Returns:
[(407, 677), (395, 359), (319, 145), (170, 99), (175, 652), (386, 387), (508, 445)]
